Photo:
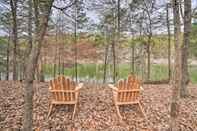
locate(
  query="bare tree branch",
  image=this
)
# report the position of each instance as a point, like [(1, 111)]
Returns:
[(66, 7)]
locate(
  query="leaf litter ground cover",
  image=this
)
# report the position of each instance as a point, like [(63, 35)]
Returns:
[(96, 110)]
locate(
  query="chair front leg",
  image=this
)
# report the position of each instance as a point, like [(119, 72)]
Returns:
[(75, 108), (142, 110), (50, 109), (118, 111)]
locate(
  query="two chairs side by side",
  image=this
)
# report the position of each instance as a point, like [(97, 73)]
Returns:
[(64, 91)]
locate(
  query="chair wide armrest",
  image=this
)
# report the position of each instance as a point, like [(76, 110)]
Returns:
[(50, 88), (112, 87), (79, 86), (141, 88)]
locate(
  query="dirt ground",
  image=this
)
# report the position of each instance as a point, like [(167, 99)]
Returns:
[(96, 110)]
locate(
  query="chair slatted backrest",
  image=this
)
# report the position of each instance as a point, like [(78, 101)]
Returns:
[(128, 90), (63, 89)]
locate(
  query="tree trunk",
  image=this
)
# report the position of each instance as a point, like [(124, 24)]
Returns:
[(63, 68), (30, 41), (31, 65), (177, 76), (133, 58), (42, 74), (118, 39), (105, 65), (169, 42), (148, 46), (29, 28), (114, 60), (149, 12), (56, 53), (184, 50), (54, 70), (75, 39), (59, 60), (8, 59), (41, 70), (13, 4), (148, 57), (20, 70), (114, 28)]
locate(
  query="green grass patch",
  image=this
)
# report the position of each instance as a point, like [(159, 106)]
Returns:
[(96, 71)]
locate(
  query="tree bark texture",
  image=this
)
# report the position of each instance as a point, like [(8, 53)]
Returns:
[(13, 4), (178, 75), (32, 63), (184, 49)]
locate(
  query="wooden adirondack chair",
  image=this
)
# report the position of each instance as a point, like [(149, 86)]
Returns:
[(64, 92), (127, 92)]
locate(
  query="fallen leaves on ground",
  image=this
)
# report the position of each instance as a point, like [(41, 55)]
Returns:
[(96, 110)]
